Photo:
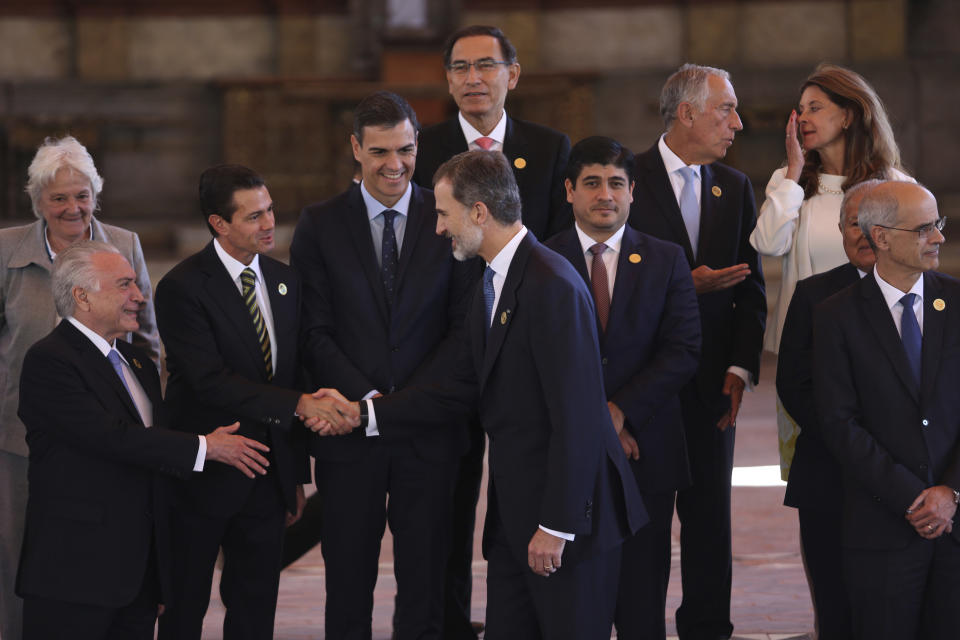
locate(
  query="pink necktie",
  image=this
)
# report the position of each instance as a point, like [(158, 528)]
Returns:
[(600, 285), (485, 143)]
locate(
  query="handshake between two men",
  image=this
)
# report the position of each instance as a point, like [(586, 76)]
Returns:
[(327, 413)]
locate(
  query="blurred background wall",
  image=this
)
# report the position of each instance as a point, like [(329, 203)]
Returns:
[(160, 90)]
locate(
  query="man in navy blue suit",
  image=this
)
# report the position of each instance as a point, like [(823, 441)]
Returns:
[(886, 364), (649, 329), (685, 195), (381, 292), (561, 495)]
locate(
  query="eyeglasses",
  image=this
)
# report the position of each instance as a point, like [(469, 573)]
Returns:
[(484, 66), (924, 229)]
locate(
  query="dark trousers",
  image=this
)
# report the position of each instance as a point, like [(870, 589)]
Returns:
[(820, 540), (304, 534), (575, 603), (252, 544), (354, 498), (905, 594), (45, 619), (645, 573), (459, 575), (706, 559)]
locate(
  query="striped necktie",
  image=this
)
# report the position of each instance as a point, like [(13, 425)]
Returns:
[(248, 279)]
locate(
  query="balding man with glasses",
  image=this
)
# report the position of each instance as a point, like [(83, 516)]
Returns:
[(885, 374)]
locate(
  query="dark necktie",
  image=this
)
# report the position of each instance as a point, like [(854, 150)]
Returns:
[(388, 255), (248, 279), (600, 284), (485, 143), (910, 335), (488, 296)]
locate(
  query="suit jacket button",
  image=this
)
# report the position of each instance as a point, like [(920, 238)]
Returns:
[(877, 498), (604, 360), (923, 467), (925, 422)]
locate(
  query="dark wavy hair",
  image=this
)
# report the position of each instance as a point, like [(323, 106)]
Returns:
[(870, 149)]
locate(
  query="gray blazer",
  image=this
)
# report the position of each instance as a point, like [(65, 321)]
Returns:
[(27, 312)]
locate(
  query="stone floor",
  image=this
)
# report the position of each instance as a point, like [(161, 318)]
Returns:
[(770, 597)]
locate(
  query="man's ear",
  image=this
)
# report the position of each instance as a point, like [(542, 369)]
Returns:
[(569, 186)]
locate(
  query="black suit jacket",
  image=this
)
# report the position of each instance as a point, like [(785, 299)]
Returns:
[(544, 153), (217, 375), (732, 320), (650, 349), (892, 440), (814, 473), (555, 459), (95, 504), (355, 343)]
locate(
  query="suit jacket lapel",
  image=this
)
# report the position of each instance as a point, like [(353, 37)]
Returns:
[(711, 215), (224, 292), (506, 307), (100, 366), (881, 322), (934, 322), (454, 141), (658, 183), (415, 221), (148, 384), (356, 220), (283, 307), (570, 248), (628, 274)]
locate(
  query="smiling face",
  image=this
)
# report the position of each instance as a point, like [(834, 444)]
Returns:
[(67, 204), (481, 95), (601, 199), (855, 244), (454, 222), (250, 229), (820, 121), (112, 310), (387, 158)]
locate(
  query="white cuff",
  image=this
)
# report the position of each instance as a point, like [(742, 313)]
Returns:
[(560, 534), (743, 374), (371, 430), (201, 454)]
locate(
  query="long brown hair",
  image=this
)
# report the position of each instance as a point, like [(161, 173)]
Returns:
[(870, 149)]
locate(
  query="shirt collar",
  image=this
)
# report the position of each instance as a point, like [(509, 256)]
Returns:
[(501, 262), (892, 295), (46, 239), (613, 242), (102, 345), (672, 161), (471, 134), (235, 267), (375, 207)]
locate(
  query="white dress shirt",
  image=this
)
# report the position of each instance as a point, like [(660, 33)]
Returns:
[(610, 255), (375, 210), (497, 135), (137, 394), (234, 267), (892, 295), (673, 165)]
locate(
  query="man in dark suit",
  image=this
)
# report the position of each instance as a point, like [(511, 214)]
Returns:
[(649, 330), (886, 370), (684, 195), (230, 320), (381, 292), (814, 473), (482, 68), (95, 558), (561, 494)]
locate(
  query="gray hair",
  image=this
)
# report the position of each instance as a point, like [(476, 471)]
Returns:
[(483, 176), (687, 84), (74, 268), (853, 194), (879, 208), (55, 154)]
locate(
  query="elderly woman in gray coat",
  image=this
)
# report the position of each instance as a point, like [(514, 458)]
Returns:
[(63, 185)]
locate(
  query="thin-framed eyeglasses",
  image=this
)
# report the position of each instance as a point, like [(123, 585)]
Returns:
[(484, 66), (924, 229)]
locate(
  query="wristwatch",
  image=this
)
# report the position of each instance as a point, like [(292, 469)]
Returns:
[(956, 497), (365, 420)]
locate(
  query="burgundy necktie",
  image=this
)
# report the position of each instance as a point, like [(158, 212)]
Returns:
[(598, 281), (485, 143)]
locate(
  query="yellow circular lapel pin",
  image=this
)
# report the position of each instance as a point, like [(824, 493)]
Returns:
[(520, 163), (136, 363), (503, 318), (282, 288), (716, 191), (939, 304), (635, 258)]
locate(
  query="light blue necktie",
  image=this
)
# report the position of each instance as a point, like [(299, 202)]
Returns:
[(910, 335), (488, 295), (114, 358), (689, 207)]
